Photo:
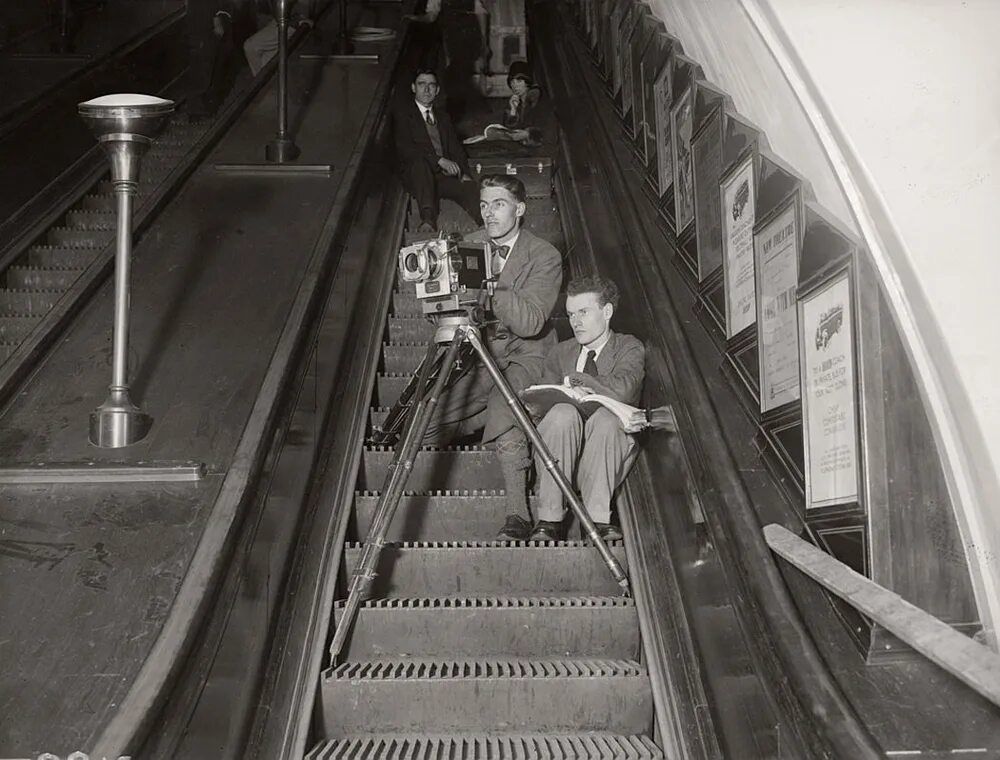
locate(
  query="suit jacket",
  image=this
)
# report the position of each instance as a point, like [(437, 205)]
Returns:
[(621, 366), (414, 144), (525, 295)]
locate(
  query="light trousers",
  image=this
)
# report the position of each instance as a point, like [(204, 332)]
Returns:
[(595, 454)]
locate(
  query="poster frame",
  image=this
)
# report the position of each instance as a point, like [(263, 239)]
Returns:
[(791, 201), (846, 271)]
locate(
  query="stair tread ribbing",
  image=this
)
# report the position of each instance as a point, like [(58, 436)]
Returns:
[(495, 602), (494, 544), (421, 668), (604, 745)]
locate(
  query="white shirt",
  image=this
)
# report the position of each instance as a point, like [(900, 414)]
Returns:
[(510, 243), (424, 110), (581, 360)]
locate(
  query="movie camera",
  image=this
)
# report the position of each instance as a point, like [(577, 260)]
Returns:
[(449, 274)]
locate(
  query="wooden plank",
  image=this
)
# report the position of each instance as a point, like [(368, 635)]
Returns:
[(975, 665)]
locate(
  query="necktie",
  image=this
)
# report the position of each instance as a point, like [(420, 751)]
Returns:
[(590, 366), (498, 255), (433, 133)]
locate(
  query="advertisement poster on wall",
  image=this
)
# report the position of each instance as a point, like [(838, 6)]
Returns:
[(776, 260), (663, 98), (681, 127), (829, 398), (739, 210), (627, 75)]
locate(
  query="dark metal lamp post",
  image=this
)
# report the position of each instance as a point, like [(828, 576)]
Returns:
[(282, 148)]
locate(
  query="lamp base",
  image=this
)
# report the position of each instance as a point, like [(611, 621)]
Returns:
[(118, 422), (281, 150)]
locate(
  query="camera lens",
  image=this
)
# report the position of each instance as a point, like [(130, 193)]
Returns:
[(411, 263)]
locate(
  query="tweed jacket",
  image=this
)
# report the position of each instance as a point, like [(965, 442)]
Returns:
[(621, 366), (525, 295), (413, 143)]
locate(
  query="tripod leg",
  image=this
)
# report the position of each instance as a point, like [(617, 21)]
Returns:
[(392, 491), (397, 414), (393, 422), (524, 421)]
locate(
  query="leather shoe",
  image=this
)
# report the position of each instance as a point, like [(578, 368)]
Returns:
[(546, 530), (515, 528), (609, 532), (425, 227)]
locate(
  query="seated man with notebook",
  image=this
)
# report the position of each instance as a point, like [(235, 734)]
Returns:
[(595, 452)]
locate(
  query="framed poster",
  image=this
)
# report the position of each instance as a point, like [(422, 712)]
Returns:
[(776, 265), (739, 210), (630, 24), (681, 127), (643, 132), (614, 49), (663, 98), (609, 27), (829, 393), (706, 158), (626, 77)]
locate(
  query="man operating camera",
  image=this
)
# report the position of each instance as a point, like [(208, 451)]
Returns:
[(527, 273)]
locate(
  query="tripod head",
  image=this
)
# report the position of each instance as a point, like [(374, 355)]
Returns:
[(474, 316)]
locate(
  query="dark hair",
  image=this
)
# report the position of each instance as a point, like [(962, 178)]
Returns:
[(511, 184), (432, 72), (605, 288), (519, 70)]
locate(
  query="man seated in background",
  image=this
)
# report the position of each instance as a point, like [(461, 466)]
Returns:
[(432, 161), (594, 453), (528, 273)]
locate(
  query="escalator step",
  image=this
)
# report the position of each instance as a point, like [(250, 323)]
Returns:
[(591, 746), (28, 302), (66, 236), (515, 568), (438, 516), (14, 329), (91, 220), (503, 696), (99, 203), (410, 330), (52, 257), (596, 627), (458, 468), (405, 305), (402, 358), (543, 224), (38, 278), (377, 416)]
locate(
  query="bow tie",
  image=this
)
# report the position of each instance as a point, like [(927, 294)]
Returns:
[(499, 250)]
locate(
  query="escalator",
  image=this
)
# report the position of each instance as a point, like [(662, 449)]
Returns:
[(469, 644)]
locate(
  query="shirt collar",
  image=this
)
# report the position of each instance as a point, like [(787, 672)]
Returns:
[(597, 348), (424, 109), (510, 243)]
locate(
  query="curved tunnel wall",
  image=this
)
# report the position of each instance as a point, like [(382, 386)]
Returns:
[(890, 110)]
